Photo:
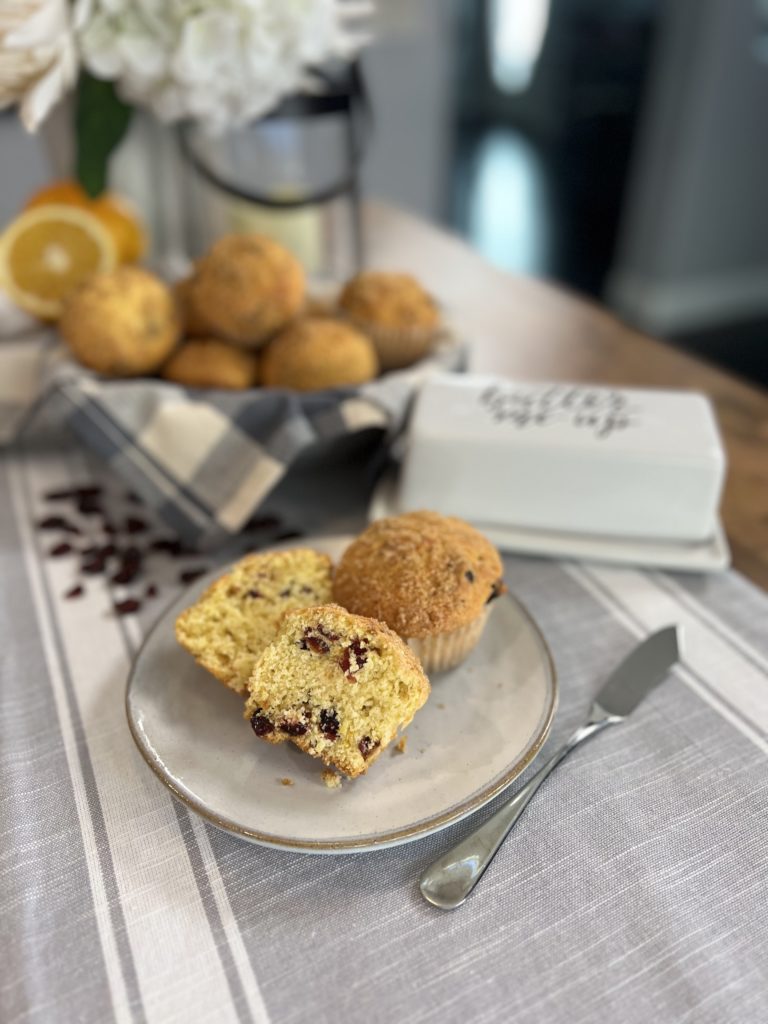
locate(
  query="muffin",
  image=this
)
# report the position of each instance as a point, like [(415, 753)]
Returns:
[(210, 363), (230, 625), (395, 312), (123, 323), (337, 685), (317, 353), (194, 323), (244, 289), (431, 578)]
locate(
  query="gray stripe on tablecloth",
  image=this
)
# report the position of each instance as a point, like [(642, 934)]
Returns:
[(731, 600), (717, 695), (106, 864), (661, 819), (199, 873), (56, 957), (228, 964)]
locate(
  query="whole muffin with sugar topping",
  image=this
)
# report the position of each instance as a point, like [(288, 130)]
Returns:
[(244, 289), (430, 577), (122, 323), (316, 353), (396, 313)]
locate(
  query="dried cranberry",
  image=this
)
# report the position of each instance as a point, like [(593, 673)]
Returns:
[(469, 575), (255, 593), (329, 724), (318, 645), (89, 506), (93, 566), (60, 495), (287, 535), (354, 657), (130, 565), (171, 546), (125, 575), (366, 746), (131, 556), (311, 642), (307, 590), (190, 575), (76, 591), (261, 725), (57, 523), (285, 593), (60, 549), (294, 728), (134, 525), (74, 494), (108, 528), (327, 633), (127, 607), (164, 544)]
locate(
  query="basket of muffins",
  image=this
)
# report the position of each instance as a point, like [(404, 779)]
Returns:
[(235, 394), (337, 659), (244, 319)]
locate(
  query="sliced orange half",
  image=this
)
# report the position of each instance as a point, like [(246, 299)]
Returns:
[(48, 251), (115, 212)]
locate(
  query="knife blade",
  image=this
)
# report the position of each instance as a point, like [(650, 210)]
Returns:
[(640, 672)]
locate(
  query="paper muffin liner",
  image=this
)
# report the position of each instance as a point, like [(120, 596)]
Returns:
[(397, 349), (447, 650)]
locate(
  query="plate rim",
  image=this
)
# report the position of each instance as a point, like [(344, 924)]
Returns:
[(393, 837)]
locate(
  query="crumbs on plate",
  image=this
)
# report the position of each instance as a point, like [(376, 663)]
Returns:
[(330, 778), (286, 781), (401, 745)]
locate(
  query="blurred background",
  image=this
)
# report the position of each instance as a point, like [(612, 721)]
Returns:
[(618, 147)]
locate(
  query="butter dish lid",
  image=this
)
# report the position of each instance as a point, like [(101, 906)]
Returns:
[(668, 424)]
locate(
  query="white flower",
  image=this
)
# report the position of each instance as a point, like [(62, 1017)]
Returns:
[(38, 60), (222, 62)]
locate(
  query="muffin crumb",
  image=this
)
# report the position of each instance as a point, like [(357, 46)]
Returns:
[(401, 745), (286, 781), (330, 778)]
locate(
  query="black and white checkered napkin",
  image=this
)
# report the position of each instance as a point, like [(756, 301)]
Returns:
[(209, 461)]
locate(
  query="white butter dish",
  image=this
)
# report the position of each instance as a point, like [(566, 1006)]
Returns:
[(614, 463), (711, 555)]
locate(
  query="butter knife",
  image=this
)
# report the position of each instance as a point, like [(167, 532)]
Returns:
[(448, 882)]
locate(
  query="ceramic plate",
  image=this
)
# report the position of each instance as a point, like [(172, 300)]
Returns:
[(483, 724), (711, 555)]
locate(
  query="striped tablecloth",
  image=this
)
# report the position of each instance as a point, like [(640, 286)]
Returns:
[(634, 890)]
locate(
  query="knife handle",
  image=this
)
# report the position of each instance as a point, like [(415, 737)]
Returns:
[(451, 878)]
